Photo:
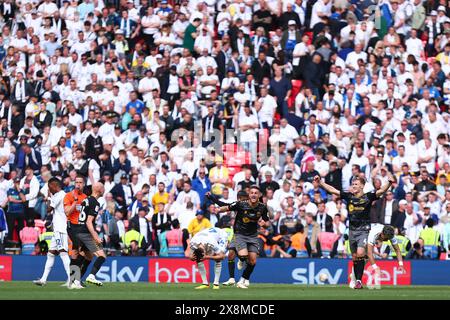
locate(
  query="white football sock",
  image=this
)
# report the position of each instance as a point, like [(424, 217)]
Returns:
[(66, 262), (217, 271), (202, 270), (48, 266)]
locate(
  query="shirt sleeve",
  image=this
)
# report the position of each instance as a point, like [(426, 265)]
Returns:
[(372, 196), (344, 195), (235, 206)]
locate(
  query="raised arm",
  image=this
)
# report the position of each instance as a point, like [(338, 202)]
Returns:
[(327, 187), (386, 186)]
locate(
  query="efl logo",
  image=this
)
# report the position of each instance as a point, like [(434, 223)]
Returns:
[(174, 271), (5, 268), (389, 275)]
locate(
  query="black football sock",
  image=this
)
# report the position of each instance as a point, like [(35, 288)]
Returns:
[(74, 263), (243, 258), (359, 268), (84, 266), (231, 268), (97, 265), (248, 271)]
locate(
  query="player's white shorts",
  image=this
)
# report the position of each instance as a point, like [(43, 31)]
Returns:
[(59, 241)]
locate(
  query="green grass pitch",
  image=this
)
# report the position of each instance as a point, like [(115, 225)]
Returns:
[(148, 291)]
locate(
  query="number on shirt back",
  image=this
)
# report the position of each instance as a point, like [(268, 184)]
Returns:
[(82, 216)]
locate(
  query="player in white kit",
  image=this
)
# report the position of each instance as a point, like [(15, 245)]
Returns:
[(59, 242), (377, 235), (209, 244)]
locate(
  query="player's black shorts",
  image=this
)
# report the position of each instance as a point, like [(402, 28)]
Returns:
[(251, 243), (88, 243), (357, 239), (72, 233)]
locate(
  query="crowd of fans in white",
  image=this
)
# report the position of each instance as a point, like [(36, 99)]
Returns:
[(118, 90)]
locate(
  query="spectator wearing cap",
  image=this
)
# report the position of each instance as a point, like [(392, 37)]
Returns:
[(199, 223)]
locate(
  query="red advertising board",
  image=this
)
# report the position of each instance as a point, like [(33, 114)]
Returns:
[(5, 268), (174, 271), (389, 275)]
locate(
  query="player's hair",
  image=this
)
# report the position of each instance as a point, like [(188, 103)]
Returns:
[(55, 180), (255, 187), (389, 232), (199, 253)]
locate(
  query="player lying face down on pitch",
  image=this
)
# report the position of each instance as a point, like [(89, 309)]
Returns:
[(377, 235), (358, 205), (249, 214), (209, 244)]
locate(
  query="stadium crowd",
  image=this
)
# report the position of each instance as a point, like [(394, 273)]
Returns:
[(135, 93)]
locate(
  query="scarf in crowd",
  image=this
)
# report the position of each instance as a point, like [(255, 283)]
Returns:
[(431, 34), (125, 27), (20, 91)]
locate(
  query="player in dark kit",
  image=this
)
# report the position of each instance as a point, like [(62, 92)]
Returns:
[(248, 215), (241, 196), (87, 236), (358, 206)]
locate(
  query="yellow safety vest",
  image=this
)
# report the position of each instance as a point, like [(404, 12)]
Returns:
[(402, 244), (132, 235), (347, 247), (47, 237), (430, 237), (230, 233)]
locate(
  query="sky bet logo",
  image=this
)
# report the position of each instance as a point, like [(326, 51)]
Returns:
[(311, 276), (114, 274)]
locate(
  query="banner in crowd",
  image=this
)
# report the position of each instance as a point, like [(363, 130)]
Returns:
[(175, 270)]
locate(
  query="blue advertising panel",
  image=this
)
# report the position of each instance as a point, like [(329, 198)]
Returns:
[(115, 269), (295, 271), (287, 271), (430, 272)]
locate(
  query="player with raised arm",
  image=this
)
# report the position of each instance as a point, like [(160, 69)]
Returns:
[(72, 207), (241, 196), (248, 215), (59, 241), (88, 238), (378, 234), (209, 244), (358, 206)]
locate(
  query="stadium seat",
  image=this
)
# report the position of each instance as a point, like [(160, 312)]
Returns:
[(327, 240)]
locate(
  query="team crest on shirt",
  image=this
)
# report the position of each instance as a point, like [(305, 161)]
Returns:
[(351, 207), (245, 220)]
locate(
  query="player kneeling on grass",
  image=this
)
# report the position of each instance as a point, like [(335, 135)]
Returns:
[(378, 234), (89, 240), (209, 244), (59, 241)]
